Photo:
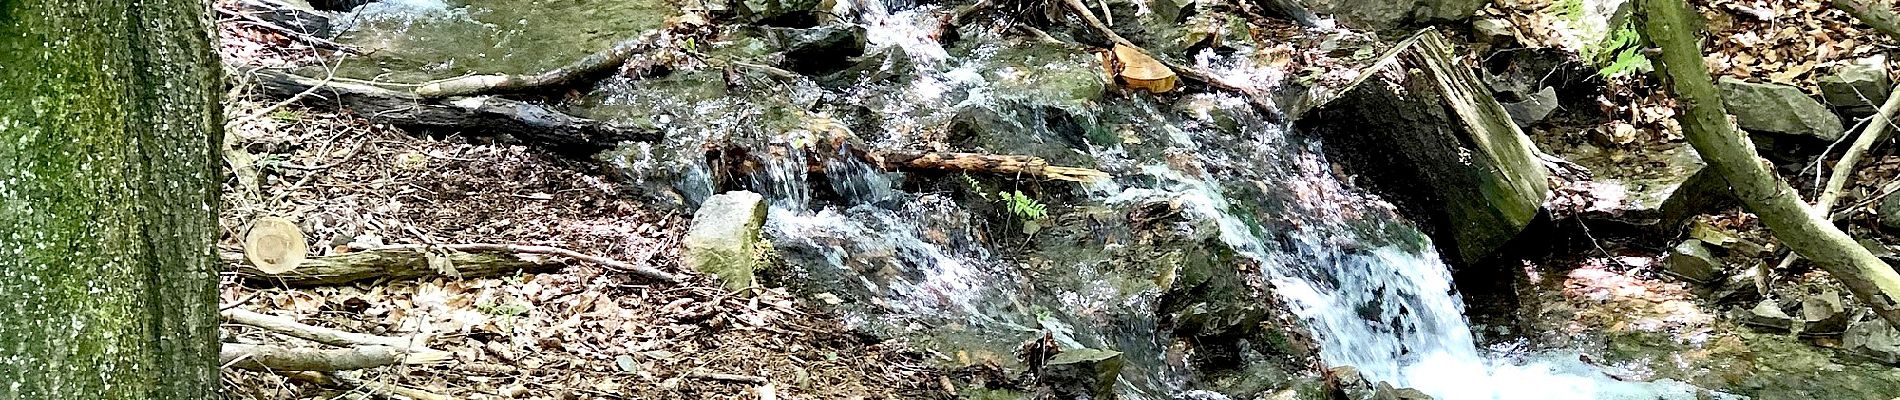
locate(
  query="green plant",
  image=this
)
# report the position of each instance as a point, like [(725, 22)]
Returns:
[(975, 187), (1024, 206), (1619, 53)]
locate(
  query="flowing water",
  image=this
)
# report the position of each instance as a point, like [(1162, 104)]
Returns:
[(928, 257)]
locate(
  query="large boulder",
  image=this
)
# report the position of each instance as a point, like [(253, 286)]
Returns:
[(1389, 15), (1781, 109), (724, 238), (1422, 131), (1082, 373)]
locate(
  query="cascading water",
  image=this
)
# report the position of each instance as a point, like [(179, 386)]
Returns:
[(926, 265)]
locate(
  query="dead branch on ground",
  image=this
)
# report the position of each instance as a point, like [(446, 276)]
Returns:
[(593, 64), (418, 261), (329, 336), (257, 357)]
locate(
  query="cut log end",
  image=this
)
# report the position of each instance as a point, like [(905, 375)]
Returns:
[(275, 245)]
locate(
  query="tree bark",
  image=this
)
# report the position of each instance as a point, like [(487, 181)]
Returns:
[(1705, 122), (108, 140), (1875, 13)]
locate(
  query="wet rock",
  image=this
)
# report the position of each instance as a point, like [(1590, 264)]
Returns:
[(1824, 314), (1425, 133), (337, 5), (1769, 315), (1890, 211), (1692, 260), (1390, 15), (818, 51), (1347, 383), (1856, 90), (1493, 31), (1781, 109), (724, 238), (1872, 338), (1385, 391), (1082, 373), (1534, 108), (297, 15), (784, 13)]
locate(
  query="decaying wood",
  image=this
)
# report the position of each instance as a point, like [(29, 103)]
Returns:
[(985, 163), (1705, 122), (418, 261), (333, 337), (256, 357), (1876, 129), (1875, 13), (592, 65), (479, 116), (274, 245)]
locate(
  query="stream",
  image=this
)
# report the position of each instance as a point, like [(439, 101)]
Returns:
[(1217, 218)]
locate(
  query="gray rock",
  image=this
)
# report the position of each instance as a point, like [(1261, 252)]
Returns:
[(1767, 315), (1534, 108), (819, 51), (1494, 31), (1872, 338), (1692, 260), (1781, 109), (1426, 134), (724, 238), (1385, 391), (1890, 211), (1083, 373), (1855, 89), (1349, 381), (1824, 314), (1390, 15)]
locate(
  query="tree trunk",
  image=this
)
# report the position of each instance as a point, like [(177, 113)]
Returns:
[(108, 200), (1705, 122)]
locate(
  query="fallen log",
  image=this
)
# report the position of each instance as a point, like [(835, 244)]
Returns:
[(1843, 171), (416, 261), (1876, 14), (592, 65), (985, 163), (257, 357), (480, 116)]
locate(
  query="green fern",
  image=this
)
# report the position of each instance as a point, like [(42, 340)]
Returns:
[(1024, 207)]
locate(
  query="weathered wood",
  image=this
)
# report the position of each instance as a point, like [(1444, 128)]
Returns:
[(1420, 129), (592, 65), (1705, 122), (333, 337), (394, 264), (257, 357), (108, 202), (481, 116)]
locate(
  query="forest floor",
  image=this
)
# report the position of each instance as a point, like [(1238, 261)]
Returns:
[(579, 332)]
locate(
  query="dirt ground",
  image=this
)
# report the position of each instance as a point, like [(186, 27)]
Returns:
[(579, 331)]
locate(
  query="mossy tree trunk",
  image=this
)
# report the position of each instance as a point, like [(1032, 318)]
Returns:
[(108, 196), (1705, 121)]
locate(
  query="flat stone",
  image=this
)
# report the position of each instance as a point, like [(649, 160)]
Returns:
[(1534, 108), (1780, 109), (1824, 314), (1872, 338), (1390, 15), (1495, 31), (1385, 391), (724, 238), (1692, 260), (1769, 315)]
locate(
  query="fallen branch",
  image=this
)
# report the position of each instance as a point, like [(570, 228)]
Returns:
[(256, 357), (1705, 122), (333, 337), (1260, 101), (725, 377), (1877, 14), (291, 33), (417, 261), (1843, 171), (483, 116), (593, 64)]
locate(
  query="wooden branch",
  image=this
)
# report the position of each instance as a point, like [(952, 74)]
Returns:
[(613, 264), (256, 357), (726, 377), (333, 337), (971, 162), (393, 264), (593, 64), (1705, 121), (481, 116), (1874, 13), (1843, 171), (1261, 101)]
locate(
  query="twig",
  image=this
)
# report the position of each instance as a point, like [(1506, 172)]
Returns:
[(385, 390), (1875, 130), (256, 357), (726, 377)]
